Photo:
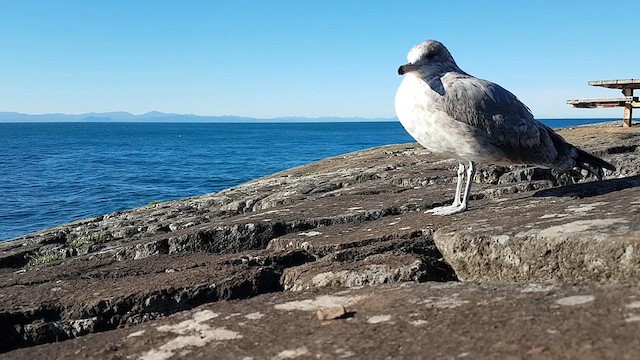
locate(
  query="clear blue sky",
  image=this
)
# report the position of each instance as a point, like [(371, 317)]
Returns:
[(301, 58)]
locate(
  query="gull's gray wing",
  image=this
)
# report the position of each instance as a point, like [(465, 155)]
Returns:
[(499, 117)]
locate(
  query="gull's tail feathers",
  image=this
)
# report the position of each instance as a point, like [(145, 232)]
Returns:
[(574, 157), (592, 164)]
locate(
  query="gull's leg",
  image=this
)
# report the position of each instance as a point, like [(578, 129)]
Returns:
[(471, 171), (458, 205), (456, 200)]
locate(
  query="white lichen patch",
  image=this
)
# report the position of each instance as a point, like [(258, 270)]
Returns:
[(633, 305), (585, 208), (419, 322), (343, 292), (136, 334), (321, 302), (191, 333), (254, 315), (327, 278), (632, 318), (526, 234), (501, 239), (291, 354), (578, 226), (232, 315), (310, 233), (378, 319), (344, 353), (553, 216), (628, 255), (535, 288), (575, 300)]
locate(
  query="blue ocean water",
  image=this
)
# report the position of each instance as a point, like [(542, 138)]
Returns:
[(54, 173)]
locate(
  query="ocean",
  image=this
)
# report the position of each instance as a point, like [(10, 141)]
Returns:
[(55, 173)]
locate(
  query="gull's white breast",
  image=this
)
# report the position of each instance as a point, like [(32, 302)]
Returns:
[(419, 113)]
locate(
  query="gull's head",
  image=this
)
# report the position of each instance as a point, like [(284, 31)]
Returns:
[(428, 56)]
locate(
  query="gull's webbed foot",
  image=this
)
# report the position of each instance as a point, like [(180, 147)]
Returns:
[(447, 210)]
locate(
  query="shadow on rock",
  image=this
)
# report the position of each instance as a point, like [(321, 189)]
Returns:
[(589, 189)]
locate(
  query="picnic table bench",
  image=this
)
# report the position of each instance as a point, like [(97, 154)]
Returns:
[(627, 101)]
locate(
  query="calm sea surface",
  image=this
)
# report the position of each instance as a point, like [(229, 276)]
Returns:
[(54, 173)]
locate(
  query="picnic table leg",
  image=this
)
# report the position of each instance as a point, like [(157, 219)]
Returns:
[(627, 119)]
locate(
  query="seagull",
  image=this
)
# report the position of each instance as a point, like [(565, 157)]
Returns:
[(472, 120)]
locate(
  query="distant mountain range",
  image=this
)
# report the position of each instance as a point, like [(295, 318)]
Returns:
[(155, 116)]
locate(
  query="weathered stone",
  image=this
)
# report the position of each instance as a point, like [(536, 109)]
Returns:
[(380, 269), (551, 236), (331, 313), (401, 321)]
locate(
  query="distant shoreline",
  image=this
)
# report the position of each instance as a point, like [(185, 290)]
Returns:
[(158, 117)]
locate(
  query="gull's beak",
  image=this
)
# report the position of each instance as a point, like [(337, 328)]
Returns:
[(407, 68)]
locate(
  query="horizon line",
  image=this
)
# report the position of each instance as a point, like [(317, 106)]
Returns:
[(160, 113), (148, 116)]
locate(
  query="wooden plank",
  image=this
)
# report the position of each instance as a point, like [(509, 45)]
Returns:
[(628, 102), (617, 84), (604, 102), (618, 99)]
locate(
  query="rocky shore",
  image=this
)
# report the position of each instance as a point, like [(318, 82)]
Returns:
[(337, 259)]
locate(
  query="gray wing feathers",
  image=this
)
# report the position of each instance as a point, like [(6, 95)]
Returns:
[(498, 116), (489, 108)]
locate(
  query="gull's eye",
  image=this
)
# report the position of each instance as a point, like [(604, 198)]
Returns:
[(430, 56)]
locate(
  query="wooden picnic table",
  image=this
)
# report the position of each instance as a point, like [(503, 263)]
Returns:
[(627, 101)]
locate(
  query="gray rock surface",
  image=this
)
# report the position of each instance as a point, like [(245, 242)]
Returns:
[(586, 232), (399, 321), (546, 264)]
